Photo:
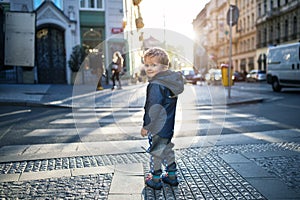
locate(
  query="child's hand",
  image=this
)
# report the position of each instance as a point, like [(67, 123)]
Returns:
[(144, 132)]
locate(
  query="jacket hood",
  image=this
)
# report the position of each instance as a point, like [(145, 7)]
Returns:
[(170, 79)]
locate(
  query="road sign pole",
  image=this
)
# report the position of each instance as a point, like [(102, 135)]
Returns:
[(230, 51), (232, 19)]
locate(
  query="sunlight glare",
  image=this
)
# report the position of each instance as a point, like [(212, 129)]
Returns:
[(175, 15)]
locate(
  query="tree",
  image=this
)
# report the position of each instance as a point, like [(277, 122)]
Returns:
[(77, 57)]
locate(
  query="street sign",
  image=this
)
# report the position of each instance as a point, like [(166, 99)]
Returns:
[(232, 15)]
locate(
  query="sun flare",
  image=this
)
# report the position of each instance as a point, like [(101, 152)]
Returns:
[(174, 15)]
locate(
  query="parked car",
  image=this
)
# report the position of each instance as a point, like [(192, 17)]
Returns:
[(190, 76), (239, 76), (256, 75), (214, 77)]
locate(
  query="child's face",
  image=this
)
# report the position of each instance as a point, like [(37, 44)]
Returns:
[(152, 66)]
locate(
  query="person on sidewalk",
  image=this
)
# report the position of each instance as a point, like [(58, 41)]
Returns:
[(117, 67), (159, 117)]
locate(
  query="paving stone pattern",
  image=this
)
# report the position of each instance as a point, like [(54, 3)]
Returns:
[(78, 187), (287, 168), (202, 174)]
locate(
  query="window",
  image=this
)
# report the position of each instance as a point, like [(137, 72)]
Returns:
[(248, 22), (259, 10), (265, 37), (248, 45), (253, 20), (286, 30), (259, 39), (265, 7), (295, 27), (92, 4), (271, 35), (278, 3), (271, 4), (278, 33)]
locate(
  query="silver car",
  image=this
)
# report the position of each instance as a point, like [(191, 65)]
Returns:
[(213, 77), (256, 75)]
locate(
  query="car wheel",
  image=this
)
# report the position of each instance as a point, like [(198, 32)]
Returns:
[(275, 85)]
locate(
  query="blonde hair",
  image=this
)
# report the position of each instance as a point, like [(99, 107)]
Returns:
[(117, 58), (161, 54)]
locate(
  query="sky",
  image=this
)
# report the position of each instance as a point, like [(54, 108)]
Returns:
[(175, 15)]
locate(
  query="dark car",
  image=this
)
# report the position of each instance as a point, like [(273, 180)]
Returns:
[(190, 76), (239, 76), (256, 75)]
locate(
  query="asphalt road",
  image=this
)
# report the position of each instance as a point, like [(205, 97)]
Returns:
[(41, 125)]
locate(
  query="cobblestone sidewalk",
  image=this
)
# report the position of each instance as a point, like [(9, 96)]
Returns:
[(203, 174)]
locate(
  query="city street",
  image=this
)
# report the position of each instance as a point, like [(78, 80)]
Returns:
[(74, 79), (226, 148), (44, 125)]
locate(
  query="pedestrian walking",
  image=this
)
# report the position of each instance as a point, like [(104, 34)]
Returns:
[(116, 68), (159, 117)]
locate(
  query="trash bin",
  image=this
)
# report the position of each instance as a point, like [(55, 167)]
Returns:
[(224, 69)]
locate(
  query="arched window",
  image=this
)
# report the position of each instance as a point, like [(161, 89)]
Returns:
[(91, 36)]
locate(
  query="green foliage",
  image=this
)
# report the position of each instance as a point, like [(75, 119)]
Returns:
[(77, 57)]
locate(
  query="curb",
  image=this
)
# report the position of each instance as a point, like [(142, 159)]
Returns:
[(32, 104), (39, 104), (252, 101)]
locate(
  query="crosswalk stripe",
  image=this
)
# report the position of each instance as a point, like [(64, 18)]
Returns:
[(138, 117), (128, 121), (119, 127)]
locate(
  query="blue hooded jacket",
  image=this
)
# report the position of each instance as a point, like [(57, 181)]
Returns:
[(161, 100)]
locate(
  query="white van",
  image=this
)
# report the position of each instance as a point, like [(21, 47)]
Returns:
[(283, 66)]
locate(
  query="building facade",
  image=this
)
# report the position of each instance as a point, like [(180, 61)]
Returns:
[(261, 23), (277, 23), (244, 59), (60, 25)]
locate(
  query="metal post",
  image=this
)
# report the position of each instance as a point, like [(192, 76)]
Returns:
[(230, 51)]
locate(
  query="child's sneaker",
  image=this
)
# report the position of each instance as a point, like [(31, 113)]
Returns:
[(154, 182), (170, 179)]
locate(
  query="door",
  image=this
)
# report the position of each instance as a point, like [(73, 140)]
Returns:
[(50, 55)]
